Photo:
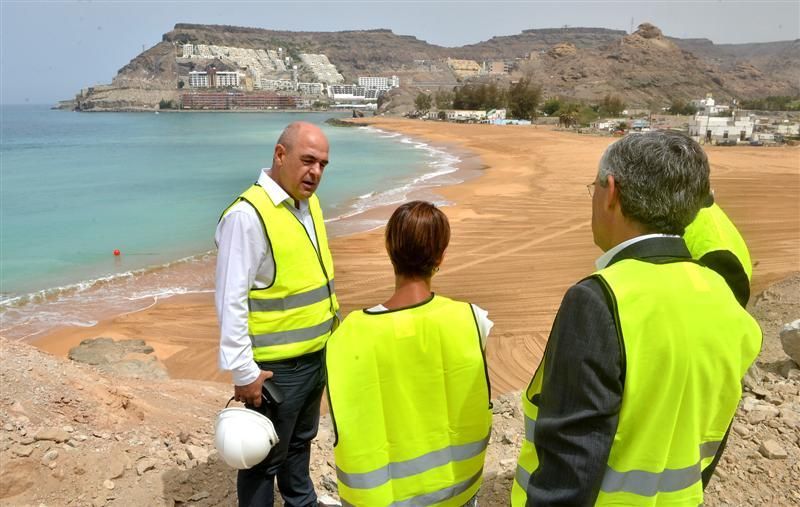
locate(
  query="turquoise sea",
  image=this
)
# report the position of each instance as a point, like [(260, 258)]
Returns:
[(76, 186)]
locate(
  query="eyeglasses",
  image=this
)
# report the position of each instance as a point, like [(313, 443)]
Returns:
[(590, 188)]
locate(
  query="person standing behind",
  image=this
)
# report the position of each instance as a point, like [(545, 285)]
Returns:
[(408, 385), (277, 307), (642, 372), (713, 240)]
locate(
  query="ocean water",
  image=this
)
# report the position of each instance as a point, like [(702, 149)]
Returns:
[(76, 186)]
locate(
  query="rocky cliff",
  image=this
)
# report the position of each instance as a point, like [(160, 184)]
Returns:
[(642, 67)]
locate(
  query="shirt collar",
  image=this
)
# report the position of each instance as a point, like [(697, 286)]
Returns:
[(276, 194), (604, 260)]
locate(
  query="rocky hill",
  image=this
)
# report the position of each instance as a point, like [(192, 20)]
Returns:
[(580, 63), (107, 429), (538, 40)]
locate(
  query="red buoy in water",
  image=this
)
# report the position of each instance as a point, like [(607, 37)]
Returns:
[(116, 253)]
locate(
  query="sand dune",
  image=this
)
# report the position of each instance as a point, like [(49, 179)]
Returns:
[(521, 236)]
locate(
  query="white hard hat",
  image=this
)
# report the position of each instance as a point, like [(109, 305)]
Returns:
[(243, 437)]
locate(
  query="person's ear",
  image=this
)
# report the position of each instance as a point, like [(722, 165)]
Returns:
[(611, 195), (279, 155), (440, 260)]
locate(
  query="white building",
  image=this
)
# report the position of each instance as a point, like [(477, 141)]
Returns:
[(607, 124), (351, 93), (722, 127), (496, 114), (278, 84), (227, 79), (224, 79), (709, 106), (788, 129), (462, 115), (321, 67), (379, 83), (310, 88), (198, 79)]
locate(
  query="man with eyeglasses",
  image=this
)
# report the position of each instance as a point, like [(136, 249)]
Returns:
[(642, 373), (714, 241)]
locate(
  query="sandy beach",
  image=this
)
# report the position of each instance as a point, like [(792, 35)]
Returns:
[(521, 236)]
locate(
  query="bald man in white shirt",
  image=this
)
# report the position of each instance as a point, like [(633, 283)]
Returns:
[(276, 307)]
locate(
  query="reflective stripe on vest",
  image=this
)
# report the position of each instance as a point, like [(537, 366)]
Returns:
[(640, 482), (293, 336), (294, 301), (712, 231), (414, 466), (435, 496), (669, 429), (409, 399), (528, 460), (295, 315), (637, 482)]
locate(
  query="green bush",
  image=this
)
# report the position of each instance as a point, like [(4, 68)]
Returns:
[(167, 104)]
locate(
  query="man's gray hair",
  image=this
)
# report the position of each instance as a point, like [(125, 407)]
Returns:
[(661, 177)]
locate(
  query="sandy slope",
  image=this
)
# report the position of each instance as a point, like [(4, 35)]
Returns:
[(521, 236)]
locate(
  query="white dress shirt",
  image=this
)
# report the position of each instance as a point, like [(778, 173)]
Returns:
[(244, 261), (481, 317), (604, 259)]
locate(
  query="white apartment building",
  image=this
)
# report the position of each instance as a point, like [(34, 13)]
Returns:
[(722, 127), (321, 67), (198, 79), (227, 79), (347, 92), (289, 85), (380, 83), (223, 79), (310, 88), (278, 84)]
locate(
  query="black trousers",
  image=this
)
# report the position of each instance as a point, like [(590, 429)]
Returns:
[(302, 380)]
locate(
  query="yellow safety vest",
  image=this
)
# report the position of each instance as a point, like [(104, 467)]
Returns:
[(295, 315), (409, 396), (687, 345), (711, 231)]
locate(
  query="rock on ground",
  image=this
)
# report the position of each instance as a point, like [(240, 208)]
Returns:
[(128, 358), (790, 340)]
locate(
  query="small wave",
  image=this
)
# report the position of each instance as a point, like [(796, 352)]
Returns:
[(383, 134), (80, 323), (85, 303), (165, 293), (54, 293), (440, 163)]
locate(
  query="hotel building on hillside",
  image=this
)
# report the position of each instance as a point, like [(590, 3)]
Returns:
[(379, 83)]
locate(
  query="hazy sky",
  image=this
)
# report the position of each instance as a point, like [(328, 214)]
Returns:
[(50, 50)]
